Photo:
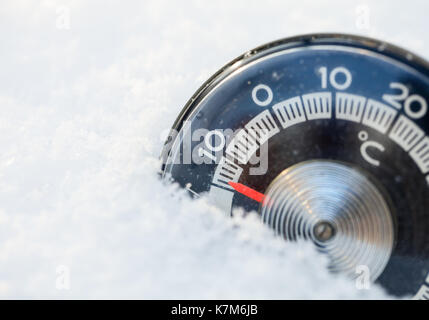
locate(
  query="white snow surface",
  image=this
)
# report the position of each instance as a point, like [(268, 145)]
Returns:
[(83, 111)]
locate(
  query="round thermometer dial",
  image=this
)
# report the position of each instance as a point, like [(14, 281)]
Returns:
[(327, 138)]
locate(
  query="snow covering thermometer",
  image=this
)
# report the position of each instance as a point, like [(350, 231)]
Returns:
[(326, 136)]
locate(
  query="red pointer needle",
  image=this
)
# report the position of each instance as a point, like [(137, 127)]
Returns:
[(248, 192)]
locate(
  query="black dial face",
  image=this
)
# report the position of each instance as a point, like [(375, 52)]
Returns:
[(327, 137)]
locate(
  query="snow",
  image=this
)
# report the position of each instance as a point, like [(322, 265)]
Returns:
[(87, 91)]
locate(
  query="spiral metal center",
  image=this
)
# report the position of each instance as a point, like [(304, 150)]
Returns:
[(324, 231), (338, 208)]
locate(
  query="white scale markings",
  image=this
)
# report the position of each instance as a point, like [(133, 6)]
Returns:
[(378, 116), (290, 112), (227, 171), (258, 131), (262, 127), (420, 155), (241, 146), (349, 107), (318, 105), (406, 133), (423, 293)]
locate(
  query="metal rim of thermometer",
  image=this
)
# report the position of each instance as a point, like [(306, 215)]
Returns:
[(327, 137)]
